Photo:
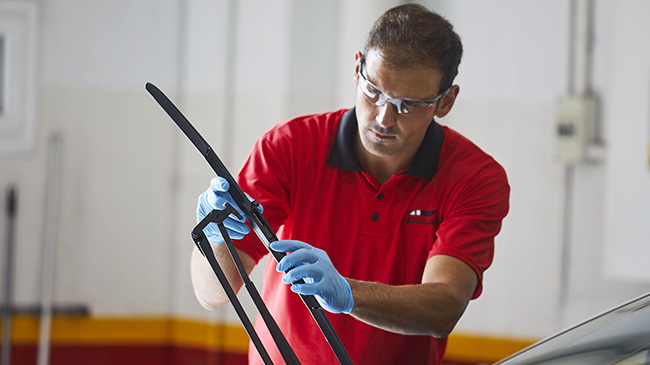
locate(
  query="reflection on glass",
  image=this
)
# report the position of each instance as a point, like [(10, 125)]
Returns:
[(619, 336)]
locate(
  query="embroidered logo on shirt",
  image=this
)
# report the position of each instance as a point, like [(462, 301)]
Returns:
[(421, 216), (424, 213)]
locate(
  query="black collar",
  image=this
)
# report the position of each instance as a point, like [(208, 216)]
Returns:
[(424, 165)]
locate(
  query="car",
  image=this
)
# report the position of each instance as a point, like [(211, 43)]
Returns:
[(618, 336)]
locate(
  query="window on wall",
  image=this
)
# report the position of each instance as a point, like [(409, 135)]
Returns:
[(18, 23)]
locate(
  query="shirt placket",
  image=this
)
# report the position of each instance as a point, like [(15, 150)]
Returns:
[(376, 215)]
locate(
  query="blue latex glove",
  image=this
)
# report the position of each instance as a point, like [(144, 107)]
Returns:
[(214, 198), (321, 278)]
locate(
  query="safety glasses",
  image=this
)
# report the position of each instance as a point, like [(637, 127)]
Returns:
[(402, 106)]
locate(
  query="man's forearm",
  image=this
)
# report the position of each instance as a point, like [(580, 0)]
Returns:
[(206, 286), (430, 309)]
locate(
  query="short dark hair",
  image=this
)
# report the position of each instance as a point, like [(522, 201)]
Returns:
[(412, 34)]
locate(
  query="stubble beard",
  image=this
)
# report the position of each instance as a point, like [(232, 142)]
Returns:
[(377, 146)]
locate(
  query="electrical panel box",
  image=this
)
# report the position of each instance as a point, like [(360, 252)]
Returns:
[(575, 127)]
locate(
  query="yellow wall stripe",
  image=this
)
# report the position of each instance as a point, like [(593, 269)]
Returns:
[(141, 331), (218, 337), (482, 348)]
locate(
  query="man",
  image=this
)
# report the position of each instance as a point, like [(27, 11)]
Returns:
[(389, 216)]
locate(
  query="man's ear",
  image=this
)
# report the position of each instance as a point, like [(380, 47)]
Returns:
[(447, 101), (357, 64)]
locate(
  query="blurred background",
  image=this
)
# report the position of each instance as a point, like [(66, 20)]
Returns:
[(96, 254)]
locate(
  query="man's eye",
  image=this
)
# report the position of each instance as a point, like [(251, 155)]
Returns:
[(372, 89), (414, 104)]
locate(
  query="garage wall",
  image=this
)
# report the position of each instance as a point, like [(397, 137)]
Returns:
[(129, 179)]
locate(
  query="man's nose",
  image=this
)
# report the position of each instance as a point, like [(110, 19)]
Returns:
[(387, 114)]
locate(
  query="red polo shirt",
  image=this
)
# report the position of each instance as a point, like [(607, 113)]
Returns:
[(306, 175)]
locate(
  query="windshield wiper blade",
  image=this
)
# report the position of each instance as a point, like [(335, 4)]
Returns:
[(257, 221)]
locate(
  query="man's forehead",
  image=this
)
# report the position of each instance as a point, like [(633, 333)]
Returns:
[(418, 81)]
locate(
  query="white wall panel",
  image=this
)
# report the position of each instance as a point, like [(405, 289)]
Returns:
[(115, 195), (627, 211)]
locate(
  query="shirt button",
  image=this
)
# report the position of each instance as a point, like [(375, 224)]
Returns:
[(380, 196), (374, 217)]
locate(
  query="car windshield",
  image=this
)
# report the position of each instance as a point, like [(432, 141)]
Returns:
[(618, 336)]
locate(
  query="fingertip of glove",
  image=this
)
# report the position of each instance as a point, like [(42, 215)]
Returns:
[(278, 268), (218, 183), (278, 246)]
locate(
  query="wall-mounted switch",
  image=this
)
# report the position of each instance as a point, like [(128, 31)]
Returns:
[(574, 127)]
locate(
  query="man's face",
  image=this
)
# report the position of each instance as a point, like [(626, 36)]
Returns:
[(383, 132)]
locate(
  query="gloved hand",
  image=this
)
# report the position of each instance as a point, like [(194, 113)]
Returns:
[(321, 278), (214, 198)]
